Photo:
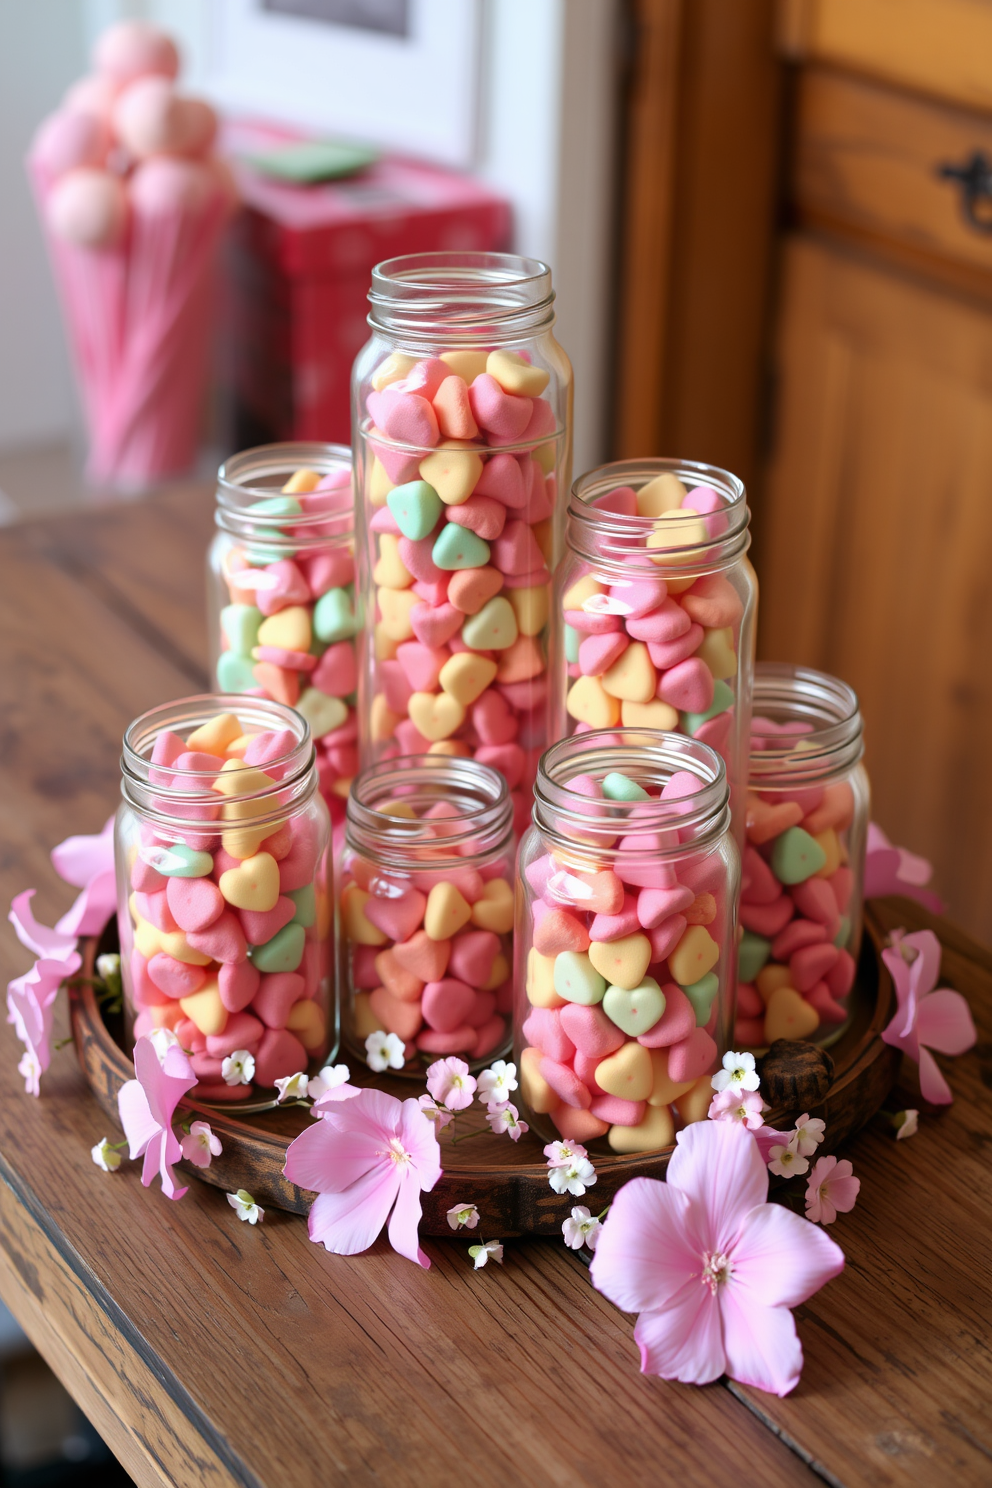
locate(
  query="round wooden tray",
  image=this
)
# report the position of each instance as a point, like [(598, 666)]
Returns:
[(508, 1183)]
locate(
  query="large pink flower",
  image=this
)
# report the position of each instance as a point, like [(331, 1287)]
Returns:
[(712, 1268), (368, 1160), (926, 1019), (52, 945), (31, 1009), (147, 1105), (88, 864), (893, 870)]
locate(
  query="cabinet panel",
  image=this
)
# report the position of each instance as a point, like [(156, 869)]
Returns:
[(875, 541)]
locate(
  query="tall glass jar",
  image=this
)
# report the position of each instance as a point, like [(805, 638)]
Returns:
[(802, 883), (625, 938), (280, 581), (224, 910), (654, 608), (462, 414), (425, 912)]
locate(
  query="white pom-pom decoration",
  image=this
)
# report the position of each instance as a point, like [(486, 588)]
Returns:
[(67, 140), (134, 49), (150, 119), (165, 184), (87, 207)]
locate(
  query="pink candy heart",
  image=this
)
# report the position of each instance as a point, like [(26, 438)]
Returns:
[(622, 499), (493, 720), (472, 955), (498, 412), (666, 936), (544, 1030), (590, 1030), (260, 925), (503, 480), (665, 623), (434, 625), (224, 940), (421, 664), (175, 978), (691, 1057), (398, 918), (615, 926), (241, 1031), (516, 550), (654, 906), (406, 417), (667, 654), (278, 992), (508, 759), (196, 902), (336, 673), (445, 1004), (238, 982), (637, 597), (597, 653), (483, 515), (676, 1023), (416, 558), (687, 686), (279, 1054)]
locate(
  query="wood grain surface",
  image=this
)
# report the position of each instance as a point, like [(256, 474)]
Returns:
[(210, 1352)]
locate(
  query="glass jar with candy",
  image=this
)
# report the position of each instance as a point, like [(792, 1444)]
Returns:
[(803, 868), (625, 938), (654, 608), (281, 573), (425, 913), (462, 406), (225, 911)]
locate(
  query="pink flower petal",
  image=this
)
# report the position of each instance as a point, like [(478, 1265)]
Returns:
[(137, 1120), (93, 908), (404, 1220), (420, 1139), (684, 1340), (781, 1259), (348, 1223), (944, 1022), (933, 1087), (329, 1160), (723, 1173), (761, 1344), (79, 860), (38, 938), (642, 1256)]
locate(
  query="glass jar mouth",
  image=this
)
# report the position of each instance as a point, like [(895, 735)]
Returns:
[(620, 541), (258, 474), (830, 741), (166, 796), (650, 758), (482, 820), (460, 295)]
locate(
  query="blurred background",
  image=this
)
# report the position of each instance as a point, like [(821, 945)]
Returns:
[(770, 226)]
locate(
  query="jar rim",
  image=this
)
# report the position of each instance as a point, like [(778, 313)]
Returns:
[(834, 742), (237, 493), (459, 293), (393, 841)]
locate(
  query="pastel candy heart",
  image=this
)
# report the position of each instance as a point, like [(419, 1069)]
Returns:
[(176, 860), (840, 978), (759, 884), (473, 953), (666, 936), (405, 417), (206, 1010), (654, 906), (534, 1089), (752, 953), (421, 664), (665, 1090), (654, 1131), (392, 369), (175, 978), (417, 560), (235, 673), (620, 787), (662, 494), (515, 375), (811, 964), (815, 899), (471, 588), (540, 984), (333, 617), (543, 1028), (789, 1016), (713, 602), (240, 626), (260, 926), (586, 591), (590, 1030), (516, 551), (503, 480), (453, 411), (333, 569), (635, 1009), (723, 698), (282, 583), (598, 893), (493, 910), (306, 1022), (676, 1023), (797, 933), (276, 994), (767, 919), (637, 597), (398, 918), (433, 626), (628, 1073), (796, 856), (222, 941), (622, 499), (618, 1111), (521, 661), (666, 623), (416, 507), (588, 703), (665, 654), (687, 686), (564, 1082), (493, 719), (701, 995), (435, 715), (613, 926), (597, 653), (557, 930), (279, 1054), (446, 913), (324, 714), (242, 1031), (423, 957), (459, 547), (289, 629), (623, 961), (717, 651), (576, 979), (497, 412), (822, 1002), (355, 923), (155, 908), (692, 1057), (388, 971), (424, 377), (632, 676), (453, 471), (696, 954), (254, 884), (446, 1004), (483, 514), (466, 676), (238, 983), (493, 628), (283, 952)]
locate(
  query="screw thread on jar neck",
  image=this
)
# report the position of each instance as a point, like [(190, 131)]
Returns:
[(259, 474), (461, 298), (832, 741), (480, 823)]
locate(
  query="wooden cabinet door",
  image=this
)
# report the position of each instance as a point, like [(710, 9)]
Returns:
[(874, 543)]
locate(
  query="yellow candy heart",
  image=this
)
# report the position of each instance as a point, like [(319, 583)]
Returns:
[(696, 954), (174, 944), (289, 629), (632, 676), (656, 1130), (531, 609), (436, 715), (236, 748), (302, 480), (217, 736), (238, 780), (717, 650), (541, 981), (674, 530), (205, 1009), (663, 494), (453, 469), (627, 1073), (147, 939), (382, 720), (355, 925), (447, 912), (665, 1090), (653, 715), (379, 483), (468, 364), (396, 365), (254, 884), (534, 1088), (622, 962), (363, 1019), (384, 645), (394, 609), (466, 676), (493, 910), (497, 975), (695, 1104), (390, 569), (770, 978), (453, 748), (516, 376), (307, 1021), (585, 588), (588, 703), (830, 843), (789, 1016)]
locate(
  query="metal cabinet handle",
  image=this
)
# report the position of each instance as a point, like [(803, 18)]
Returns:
[(974, 177)]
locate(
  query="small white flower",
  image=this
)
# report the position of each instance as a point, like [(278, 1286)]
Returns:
[(581, 1228), (481, 1253), (384, 1051), (245, 1207), (105, 1156), (739, 1070), (497, 1083), (463, 1216), (560, 1154), (785, 1162), (906, 1123), (292, 1087), (199, 1145), (506, 1118), (438, 1114), (574, 1177), (29, 1067), (330, 1077), (238, 1068), (808, 1135), (162, 1040), (108, 969)]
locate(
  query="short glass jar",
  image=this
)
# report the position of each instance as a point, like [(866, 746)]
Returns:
[(280, 580), (224, 908), (425, 913), (462, 419), (625, 938), (802, 879), (654, 608)]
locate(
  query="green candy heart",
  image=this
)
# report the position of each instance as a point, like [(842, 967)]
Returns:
[(324, 714), (844, 933), (752, 953), (240, 625), (617, 787), (459, 547), (235, 673), (572, 643), (178, 861), (577, 980), (636, 1010), (283, 952), (306, 906), (416, 507), (333, 617), (272, 506), (723, 698), (796, 856), (701, 995), (277, 506)]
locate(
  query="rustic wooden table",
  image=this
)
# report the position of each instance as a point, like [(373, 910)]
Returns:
[(207, 1352)]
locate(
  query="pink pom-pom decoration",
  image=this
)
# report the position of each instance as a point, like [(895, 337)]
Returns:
[(151, 119), (65, 141), (134, 49), (87, 207), (165, 184), (92, 95)]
